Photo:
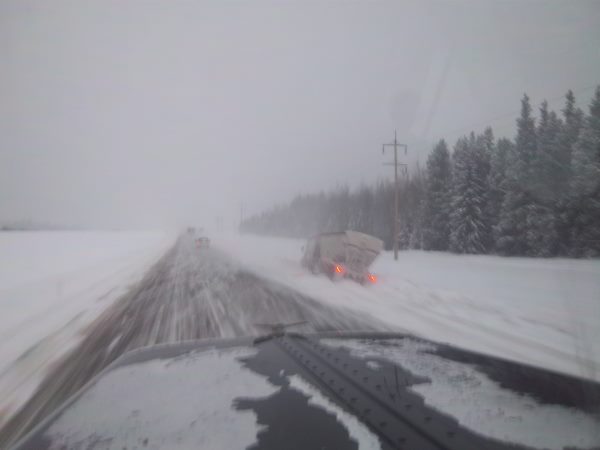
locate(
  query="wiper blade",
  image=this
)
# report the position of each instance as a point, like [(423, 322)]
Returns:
[(275, 329)]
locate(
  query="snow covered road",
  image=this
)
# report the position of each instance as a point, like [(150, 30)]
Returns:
[(190, 293)]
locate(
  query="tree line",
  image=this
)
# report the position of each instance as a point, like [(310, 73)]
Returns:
[(535, 195)]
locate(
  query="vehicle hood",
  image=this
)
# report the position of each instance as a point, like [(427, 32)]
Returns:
[(322, 391)]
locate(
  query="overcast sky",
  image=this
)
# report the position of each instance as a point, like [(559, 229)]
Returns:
[(161, 113)]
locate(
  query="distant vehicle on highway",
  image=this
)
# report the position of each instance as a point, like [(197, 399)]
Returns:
[(203, 242), (344, 254)]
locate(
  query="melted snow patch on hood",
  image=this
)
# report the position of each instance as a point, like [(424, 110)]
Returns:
[(479, 403), (178, 403), (357, 430)]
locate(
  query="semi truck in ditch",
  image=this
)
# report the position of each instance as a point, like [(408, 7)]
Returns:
[(343, 254)]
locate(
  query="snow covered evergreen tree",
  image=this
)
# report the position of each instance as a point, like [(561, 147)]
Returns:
[(572, 123), (438, 197), (489, 141), (584, 199), (512, 231), (546, 169), (364, 212), (384, 207), (497, 182), (416, 237), (469, 228), (484, 146)]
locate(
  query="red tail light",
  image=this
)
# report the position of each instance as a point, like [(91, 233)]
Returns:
[(339, 269), (372, 278)]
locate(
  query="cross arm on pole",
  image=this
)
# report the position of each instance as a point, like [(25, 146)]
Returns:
[(394, 145), (383, 146)]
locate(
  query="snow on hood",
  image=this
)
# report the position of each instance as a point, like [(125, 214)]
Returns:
[(179, 403), (185, 402), (479, 403)]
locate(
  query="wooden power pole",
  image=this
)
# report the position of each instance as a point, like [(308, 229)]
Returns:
[(404, 167)]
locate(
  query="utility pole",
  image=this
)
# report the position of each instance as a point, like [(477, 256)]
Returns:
[(395, 144)]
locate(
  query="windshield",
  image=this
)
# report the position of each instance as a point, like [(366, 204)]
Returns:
[(188, 170)]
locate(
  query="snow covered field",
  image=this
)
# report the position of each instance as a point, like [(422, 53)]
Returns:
[(53, 284), (538, 311)]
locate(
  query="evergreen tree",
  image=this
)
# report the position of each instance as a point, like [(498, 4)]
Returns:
[(572, 123), (436, 214), (518, 200), (585, 185), (545, 171), (341, 209), (410, 211), (489, 143), (419, 189), (469, 229), (484, 146), (364, 216), (547, 167), (384, 207), (497, 182)]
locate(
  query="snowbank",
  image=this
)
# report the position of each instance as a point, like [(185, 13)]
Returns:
[(538, 311), (53, 284)]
